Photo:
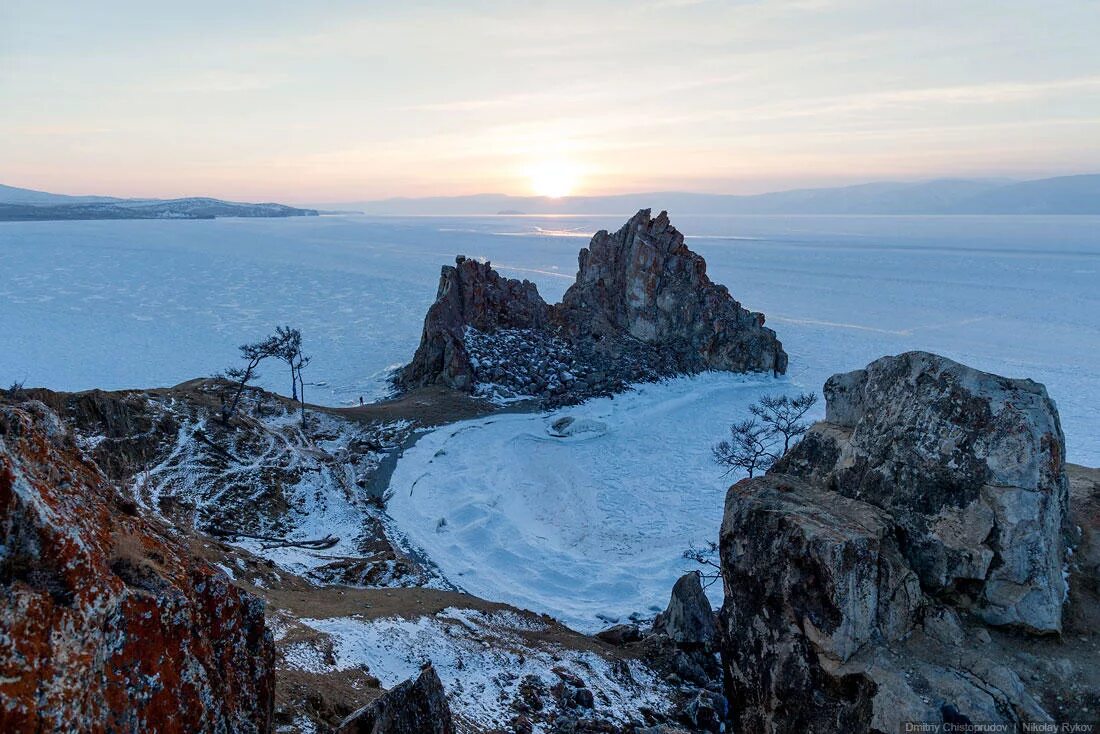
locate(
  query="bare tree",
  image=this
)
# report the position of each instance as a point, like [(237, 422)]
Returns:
[(748, 448), (252, 354), (755, 444), (783, 415), (290, 345), (706, 557), (298, 365), (290, 351)]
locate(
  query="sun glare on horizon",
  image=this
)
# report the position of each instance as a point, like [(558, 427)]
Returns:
[(553, 179)]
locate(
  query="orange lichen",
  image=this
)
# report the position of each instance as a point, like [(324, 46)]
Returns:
[(107, 623)]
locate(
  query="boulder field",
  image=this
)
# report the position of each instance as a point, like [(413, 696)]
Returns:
[(642, 307)]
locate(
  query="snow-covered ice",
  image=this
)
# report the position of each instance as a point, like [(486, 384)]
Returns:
[(116, 304), (594, 523)]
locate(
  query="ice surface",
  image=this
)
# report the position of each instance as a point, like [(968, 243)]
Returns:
[(117, 304), (588, 528), (592, 523)]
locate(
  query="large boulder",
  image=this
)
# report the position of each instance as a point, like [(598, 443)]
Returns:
[(970, 465), (107, 622), (825, 627), (642, 308), (413, 707), (689, 619), (811, 578), (869, 574)]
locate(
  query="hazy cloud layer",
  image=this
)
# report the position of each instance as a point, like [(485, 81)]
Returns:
[(352, 100)]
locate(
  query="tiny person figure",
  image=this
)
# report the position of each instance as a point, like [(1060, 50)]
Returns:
[(360, 399)]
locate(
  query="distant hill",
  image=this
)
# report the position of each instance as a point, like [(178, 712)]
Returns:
[(12, 195), (24, 205), (1062, 195)]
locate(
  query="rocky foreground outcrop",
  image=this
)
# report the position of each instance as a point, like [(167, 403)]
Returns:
[(414, 707), (866, 573), (642, 307), (107, 623)]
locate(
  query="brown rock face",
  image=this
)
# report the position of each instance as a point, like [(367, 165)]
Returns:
[(107, 624), (642, 307), (643, 282), (471, 294)]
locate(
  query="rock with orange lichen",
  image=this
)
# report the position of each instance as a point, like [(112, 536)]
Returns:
[(107, 623)]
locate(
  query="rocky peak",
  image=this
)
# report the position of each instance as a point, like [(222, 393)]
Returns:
[(689, 619), (414, 707), (470, 295), (642, 307), (108, 623), (644, 282)]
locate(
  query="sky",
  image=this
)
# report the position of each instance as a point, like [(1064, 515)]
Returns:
[(348, 101)]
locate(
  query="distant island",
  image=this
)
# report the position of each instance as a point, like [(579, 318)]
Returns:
[(26, 205), (1061, 195)]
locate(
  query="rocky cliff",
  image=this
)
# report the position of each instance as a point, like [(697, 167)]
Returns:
[(642, 283), (107, 623), (471, 295), (870, 574), (642, 307)]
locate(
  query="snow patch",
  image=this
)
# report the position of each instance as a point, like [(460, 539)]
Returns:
[(481, 659)]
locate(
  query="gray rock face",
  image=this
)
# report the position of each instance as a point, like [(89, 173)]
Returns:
[(642, 308), (823, 609), (689, 618), (412, 707), (865, 573), (970, 465)]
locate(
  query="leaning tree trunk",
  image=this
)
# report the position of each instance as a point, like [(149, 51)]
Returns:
[(302, 396)]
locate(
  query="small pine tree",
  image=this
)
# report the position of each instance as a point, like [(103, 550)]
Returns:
[(756, 443)]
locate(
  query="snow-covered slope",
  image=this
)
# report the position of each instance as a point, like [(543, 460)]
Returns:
[(483, 681), (589, 527)]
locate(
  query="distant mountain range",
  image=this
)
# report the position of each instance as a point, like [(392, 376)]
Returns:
[(24, 205), (1062, 195)]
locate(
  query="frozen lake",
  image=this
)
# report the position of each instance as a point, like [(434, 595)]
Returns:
[(117, 304)]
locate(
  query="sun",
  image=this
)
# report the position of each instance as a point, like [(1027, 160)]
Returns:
[(553, 179)]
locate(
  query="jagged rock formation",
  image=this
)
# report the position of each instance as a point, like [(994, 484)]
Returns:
[(413, 707), (107, 623), (645, 284), (470, 295), (642, 307), (864, 571)]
